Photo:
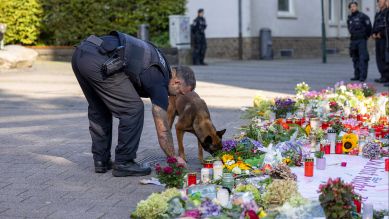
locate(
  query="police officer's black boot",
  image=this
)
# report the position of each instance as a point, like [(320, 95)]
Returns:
[(103, 167), (130, 168)]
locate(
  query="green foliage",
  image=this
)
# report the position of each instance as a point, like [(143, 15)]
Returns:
[(67, 22), (23, 19)]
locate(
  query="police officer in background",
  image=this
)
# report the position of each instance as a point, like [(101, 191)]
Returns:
[(380, 36), (114, 71), (386, 13), (360, 28), (200, 43)]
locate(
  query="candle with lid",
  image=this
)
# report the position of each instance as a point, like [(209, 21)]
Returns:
[(339, 147), (308, 167)]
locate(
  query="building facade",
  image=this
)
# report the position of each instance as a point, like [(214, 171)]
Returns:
[(296, 26)]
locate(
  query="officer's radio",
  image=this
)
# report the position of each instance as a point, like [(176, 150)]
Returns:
[(115, 63)]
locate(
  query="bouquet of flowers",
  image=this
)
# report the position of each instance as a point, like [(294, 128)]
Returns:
[(283, 106), (173, 174)]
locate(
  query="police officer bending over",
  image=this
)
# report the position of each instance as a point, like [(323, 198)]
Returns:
[(359, 26), (114, 71)]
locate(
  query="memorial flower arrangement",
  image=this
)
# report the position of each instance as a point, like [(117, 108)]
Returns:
[(171, 175), (280, 134)]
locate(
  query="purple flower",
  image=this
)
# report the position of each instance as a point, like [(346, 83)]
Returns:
[(229, 145), (257, 144), (209, 209)]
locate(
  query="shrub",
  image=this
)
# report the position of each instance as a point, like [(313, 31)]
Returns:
[(23, 19), (67, 22)]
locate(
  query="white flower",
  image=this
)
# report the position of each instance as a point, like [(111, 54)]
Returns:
[(237, 170)]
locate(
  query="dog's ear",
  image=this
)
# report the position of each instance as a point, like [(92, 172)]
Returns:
[(208, 140), (221, 133)]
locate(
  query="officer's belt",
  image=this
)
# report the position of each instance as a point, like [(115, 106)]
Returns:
[(358, 37)]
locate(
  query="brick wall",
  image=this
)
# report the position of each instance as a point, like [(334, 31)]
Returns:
[(302, 47)]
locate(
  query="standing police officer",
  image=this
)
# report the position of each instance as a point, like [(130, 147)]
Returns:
[(380, 36), (114, 71), (359, 26), (200, 43)]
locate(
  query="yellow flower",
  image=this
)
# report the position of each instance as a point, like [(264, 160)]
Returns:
[(262, 214), (227, 157), (308, 129), (286, 160)]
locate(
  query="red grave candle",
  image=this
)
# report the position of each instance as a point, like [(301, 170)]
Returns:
[(192, 180), (387, 164), (339, 147), (358, 205), (308, 167)]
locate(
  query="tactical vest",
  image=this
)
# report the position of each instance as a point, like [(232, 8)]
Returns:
[(139, 56), (357, 25)]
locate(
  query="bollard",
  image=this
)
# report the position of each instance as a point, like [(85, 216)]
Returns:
[(3, 28), (143, 32)]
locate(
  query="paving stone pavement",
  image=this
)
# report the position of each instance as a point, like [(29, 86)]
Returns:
[(45, 159)]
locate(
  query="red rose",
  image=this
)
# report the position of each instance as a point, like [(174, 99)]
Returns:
[(251, 214), (178, 173), (171, 160), (168, 170)]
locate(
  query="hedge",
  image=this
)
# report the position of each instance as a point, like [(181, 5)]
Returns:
[(67, 22), (23, 19)]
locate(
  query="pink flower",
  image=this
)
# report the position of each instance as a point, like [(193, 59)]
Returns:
[(192, 213), (171, 160), (181, 165), (168, 170), (251, 215), (158, 168)]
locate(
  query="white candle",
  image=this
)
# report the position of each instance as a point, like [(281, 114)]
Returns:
[(331, 136), (217, 170)]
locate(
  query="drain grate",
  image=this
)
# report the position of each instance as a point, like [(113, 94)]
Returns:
[(155, 157)]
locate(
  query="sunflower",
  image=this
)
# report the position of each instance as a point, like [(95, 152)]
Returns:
[(350, 141)]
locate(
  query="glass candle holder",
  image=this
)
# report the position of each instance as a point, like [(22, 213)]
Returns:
[(217, 170), (387, 164), (228, 181), (367, 211)]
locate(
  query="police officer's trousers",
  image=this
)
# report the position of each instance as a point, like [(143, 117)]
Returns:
[(383, 67), (107, 97), (360, 57), (200, 47)]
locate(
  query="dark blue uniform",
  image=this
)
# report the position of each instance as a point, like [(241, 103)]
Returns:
[(200, 43), (118, 96), (381, 42), (360, 28)]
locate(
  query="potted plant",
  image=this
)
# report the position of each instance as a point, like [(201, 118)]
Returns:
[(337, 199), (320, 160)]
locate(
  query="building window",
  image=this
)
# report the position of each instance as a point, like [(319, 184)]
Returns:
[(286, 9), (283, 5), (331, 11)]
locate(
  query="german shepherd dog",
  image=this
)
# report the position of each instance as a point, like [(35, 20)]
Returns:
[(193, 116)]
